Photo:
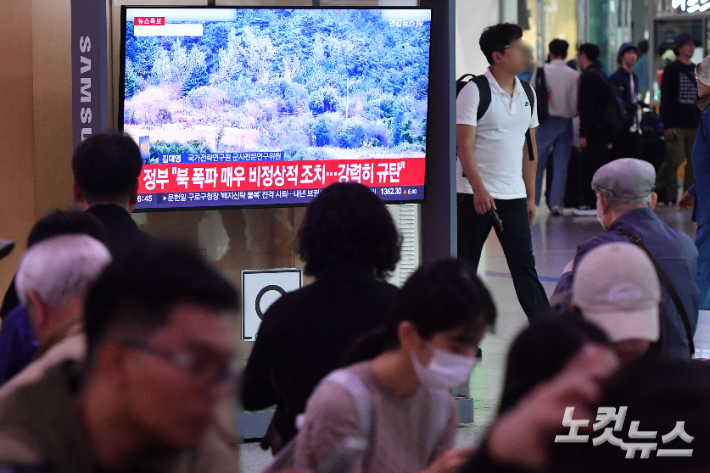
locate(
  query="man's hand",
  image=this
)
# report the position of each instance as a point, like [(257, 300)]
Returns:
[(582, 143), (687, 201), (483, 201), (451, 461), (670, 134), (531, 210)]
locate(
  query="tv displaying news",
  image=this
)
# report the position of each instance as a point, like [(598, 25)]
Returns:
[(268, 106)]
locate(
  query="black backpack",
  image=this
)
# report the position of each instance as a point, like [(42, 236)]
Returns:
[(615, 116), (484, 94), (543, 110)]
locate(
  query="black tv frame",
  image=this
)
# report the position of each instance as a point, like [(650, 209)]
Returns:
[(122, 92)]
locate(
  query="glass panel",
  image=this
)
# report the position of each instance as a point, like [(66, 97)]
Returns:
[(561, 23)]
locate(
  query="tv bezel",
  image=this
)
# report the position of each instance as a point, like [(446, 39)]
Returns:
[(122, 98)]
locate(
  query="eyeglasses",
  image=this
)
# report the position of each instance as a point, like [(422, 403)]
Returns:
[(204, 371)]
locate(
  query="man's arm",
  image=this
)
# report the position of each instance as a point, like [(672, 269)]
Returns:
[(529, 173), (670, 83), (465, 139)]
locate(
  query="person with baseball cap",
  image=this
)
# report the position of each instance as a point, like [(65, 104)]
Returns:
[(625, 203), (699, 193), (680, 115), (617, 288), (627, 142)]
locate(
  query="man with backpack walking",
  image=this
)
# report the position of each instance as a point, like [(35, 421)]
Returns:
[(556, 86), (597, 107), (497, 163)]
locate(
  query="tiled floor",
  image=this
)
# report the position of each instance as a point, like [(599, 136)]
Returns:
[(554, 241)]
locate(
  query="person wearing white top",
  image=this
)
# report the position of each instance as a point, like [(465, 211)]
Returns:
[(556, 132), (494, 170)]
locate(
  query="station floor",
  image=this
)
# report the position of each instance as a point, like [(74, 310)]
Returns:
[(554, 244)]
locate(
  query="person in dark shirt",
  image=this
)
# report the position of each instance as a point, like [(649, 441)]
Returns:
[(679, 93), (106, 169), (349, 243), (18, 345), (594, 134), (627, 143)]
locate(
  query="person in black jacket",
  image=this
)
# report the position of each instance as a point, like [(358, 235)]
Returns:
[(349, 243), (679, 93), (595, 133), (627, 143), (106, 169)]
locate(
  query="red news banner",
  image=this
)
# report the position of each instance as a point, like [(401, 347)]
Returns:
[(287, 175)]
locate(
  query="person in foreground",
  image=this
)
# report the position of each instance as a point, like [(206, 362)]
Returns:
[(625, 203), (426, 349), (349, 243), (158, 362)]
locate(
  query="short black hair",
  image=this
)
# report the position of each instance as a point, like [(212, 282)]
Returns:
[(60, 222), (559, 48), (643, 46), (106, 167), (590, 50), (348, 223), (495, 39), (139, 289)]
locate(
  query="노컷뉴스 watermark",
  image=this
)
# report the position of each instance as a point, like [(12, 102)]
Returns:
[(647, 440)]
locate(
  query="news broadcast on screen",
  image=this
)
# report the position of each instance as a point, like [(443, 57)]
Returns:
[(252, 106)]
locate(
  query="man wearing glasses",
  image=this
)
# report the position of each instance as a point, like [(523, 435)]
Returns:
[(496, 168), (158, 363)]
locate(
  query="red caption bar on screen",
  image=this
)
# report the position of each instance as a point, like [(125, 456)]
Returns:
[(282, 175), (149, 20)]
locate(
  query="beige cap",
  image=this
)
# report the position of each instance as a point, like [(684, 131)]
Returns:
[(6, 247), (702, 71), (617, 288)]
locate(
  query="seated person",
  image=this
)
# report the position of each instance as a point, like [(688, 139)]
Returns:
[(426, 349), (617, 288), (106, 168), (18, 346), (350, 244), (158, 362), (625, 203)]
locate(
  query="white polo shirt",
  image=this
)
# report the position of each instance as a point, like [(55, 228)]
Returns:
[(500, 137)]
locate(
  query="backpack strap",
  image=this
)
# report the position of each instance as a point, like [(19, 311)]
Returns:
[(438, 419), (484, 95), (531, 98), (666, 281), (359, 393)]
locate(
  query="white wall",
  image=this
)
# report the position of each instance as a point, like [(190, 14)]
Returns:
[(472, 16)]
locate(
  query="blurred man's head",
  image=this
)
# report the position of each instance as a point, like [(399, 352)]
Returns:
[(628, 55), (159, 343), (685, 46), (106, 169), (587, 54), (558, 49), (503, 47), (617, 288), (53, 279), (67, 223), (643, 47), (621, 186)]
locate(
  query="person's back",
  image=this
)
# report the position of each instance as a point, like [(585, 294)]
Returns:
[(106, 170), (349, 242)]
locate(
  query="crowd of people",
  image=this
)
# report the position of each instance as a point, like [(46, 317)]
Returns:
[(116, 348)]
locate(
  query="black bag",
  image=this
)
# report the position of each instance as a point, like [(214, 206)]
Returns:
[(484, 100), (615, 117), (543, 95)]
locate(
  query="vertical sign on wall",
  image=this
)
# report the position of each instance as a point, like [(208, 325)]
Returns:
[(88, 51)]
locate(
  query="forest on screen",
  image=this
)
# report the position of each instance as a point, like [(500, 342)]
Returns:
[(275, 80)]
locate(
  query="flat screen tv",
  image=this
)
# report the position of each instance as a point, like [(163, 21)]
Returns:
[(268, 106)]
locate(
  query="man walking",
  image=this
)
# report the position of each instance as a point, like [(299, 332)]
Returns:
[(679, 93), (556, 132), (495, 170)]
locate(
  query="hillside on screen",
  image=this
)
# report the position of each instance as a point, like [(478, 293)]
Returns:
[(311, 84)]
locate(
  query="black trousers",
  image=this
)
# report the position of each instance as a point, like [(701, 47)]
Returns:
[(473, 231), (627, 145), (594, 156)]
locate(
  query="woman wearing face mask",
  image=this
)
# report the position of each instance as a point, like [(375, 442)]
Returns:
[(699, 193), (426, 349)]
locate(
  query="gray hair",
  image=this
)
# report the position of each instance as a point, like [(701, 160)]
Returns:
[(614, 202), (61, 268)]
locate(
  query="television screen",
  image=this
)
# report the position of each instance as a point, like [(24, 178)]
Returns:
[(256, 106)]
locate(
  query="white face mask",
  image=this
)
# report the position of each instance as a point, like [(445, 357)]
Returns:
[(445, 370)]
